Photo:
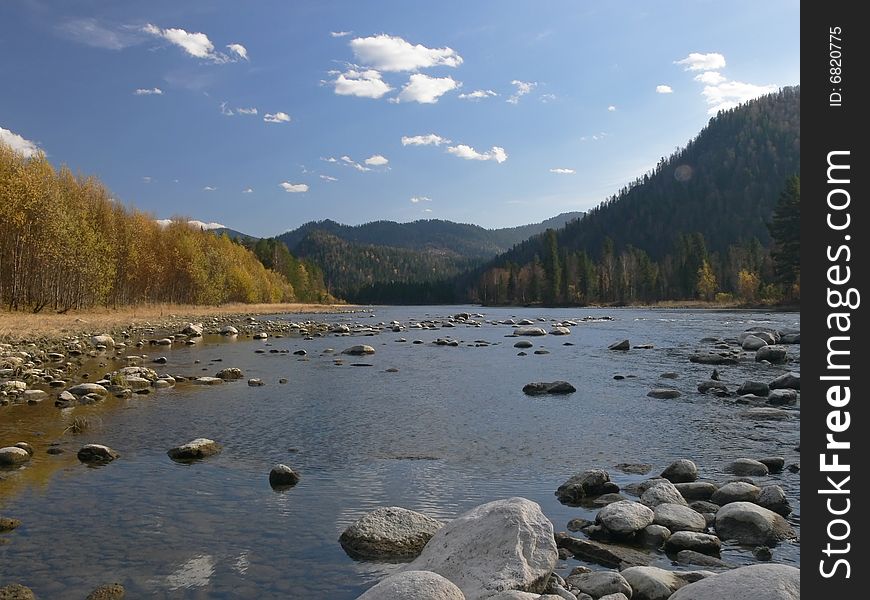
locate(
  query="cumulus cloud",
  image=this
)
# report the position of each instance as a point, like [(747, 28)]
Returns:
[(478, 95), (376, 160), (468, 153), (424, 140), (522, 88), (352, 163), (248, 191), (390, 53), (710, 77), (278, 117), (337, 34), (664, 89), (702, 62), (226, 110), (197, 44), (246, 111), (330, 159), (192, 223), (611, 108), (366, 83), (238, 50), (561, 171), (328, 178), (19, 145), (209, 188), (418, 199), (730, 94), (294, 188), (425, 89), (148, 92)]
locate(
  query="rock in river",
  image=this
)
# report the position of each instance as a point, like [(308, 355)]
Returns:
[(389, 532), (600, 583), (678, 517), (782, 397), (652, 583), (623, 345), (773, 354), (414, 585), (790, 381), (773, 498), (664, 393), (625, 518), (195, 449), (12, 456), (16, 591), (83, 389), (530, 331), (681, 471), (7, 524), (756, 388), (229, 373), (758, 582), (749, 523), (588, 484), (359, 350), (736, 491), (498, 546), (662, 492), (554, 387), (696, 490), (111, 591), (747, 467), (695, 541), (96, 453), (282, 476)]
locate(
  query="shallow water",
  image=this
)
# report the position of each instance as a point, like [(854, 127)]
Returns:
[(450, 430)]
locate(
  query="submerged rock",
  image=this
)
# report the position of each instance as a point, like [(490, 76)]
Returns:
[(96, 453), (359, 350), (282, 476), (664, 393), (195, 449), (623, 345), (747, 467), (542, 387), (588, 484), (389, 532), (12, 456)]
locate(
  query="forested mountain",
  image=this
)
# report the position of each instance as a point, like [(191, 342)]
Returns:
[(695, 226), (429, 235)]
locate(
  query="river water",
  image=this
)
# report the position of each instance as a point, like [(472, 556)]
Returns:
[(449, 430)]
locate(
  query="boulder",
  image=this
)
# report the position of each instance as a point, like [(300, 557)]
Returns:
[(111, 591), (695, 541), (782, 397), (12, 456), (756, 388), (608, 555), (664, 393), (529, 331), (359, 350), (103, 340), (229, 373), (588, 484), (498, 546), (766, 414), (736, 491), (681, 471), (229, 330), (16, 591), (34, 396), (554, 387), (193, 330), (254, 382), (7, 524), (625, 518), (654, 536), (83, 389), (96, 453), (787, 381), (772, 497), (414, 585), (208, 381), (261, 335), (389, 532), (652, 583), (523, 344), (751, 342), (696, 490), (600, 583), (749, 523), (195, 449), (702, 506), (746, 467), (282, 476), (678, 517), (710, 358), (690, 557), (790, 338), (775, 355), (759, 582), (639, 487), (623, 345), (774, 464), (662, 493), (560, 331), (706, 386)]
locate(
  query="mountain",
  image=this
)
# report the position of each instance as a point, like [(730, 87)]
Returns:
[(687, 229), (429, 235), (233, 234)]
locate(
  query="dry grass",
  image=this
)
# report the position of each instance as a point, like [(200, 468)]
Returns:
[(47, 324)]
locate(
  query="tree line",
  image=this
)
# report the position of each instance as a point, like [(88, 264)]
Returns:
[(66, 244)]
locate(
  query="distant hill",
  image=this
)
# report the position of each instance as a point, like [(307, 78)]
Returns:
[(233, 234)]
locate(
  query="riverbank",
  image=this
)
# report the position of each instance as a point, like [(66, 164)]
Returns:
[(17, 327)]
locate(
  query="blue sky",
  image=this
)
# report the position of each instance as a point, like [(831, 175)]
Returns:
[(262, 115)]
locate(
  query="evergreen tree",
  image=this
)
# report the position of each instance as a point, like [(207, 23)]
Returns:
[(785, 229)]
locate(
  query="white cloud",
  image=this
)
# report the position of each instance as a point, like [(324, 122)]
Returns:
[(730, 94), (595, 137), (478, 95), (611, 108), (337, 34), (148, 92), (278, 117), (209, 188), (702, 62), (294, 188), (376, 160), (247, 111), (192, 223), (238, 50), (225, 110), (331, 159), (418, 199), (545, 98), (561, 171), (93, 33), (390, 53), (424, 140), (328, 178), (664, 89), (19, 145), (197, 44), (361, 83), (710, 77), (351, 162), (426, 90), (147, 179), (468, 153), (523, 88), (427, 210), (248, 191)]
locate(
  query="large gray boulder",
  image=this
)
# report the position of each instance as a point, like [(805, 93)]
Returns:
[(588, 484), (663, 492), (389, 532), (681, 471), (747, 467), (12, 456), (414, 585), (498, 546), (678, 517), (756, 388), (652, 583), (773, 498), (195, 449), (773, 354), (625, 518), (359, 350), (103, 340), (787, 381), (752, 342), (548, 387), (696, 490), (96, 454), (600, 583), (83, 389), (736, 491), (749, 523), (758, 582), (530, 331), (782, 397), (694, 541)]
